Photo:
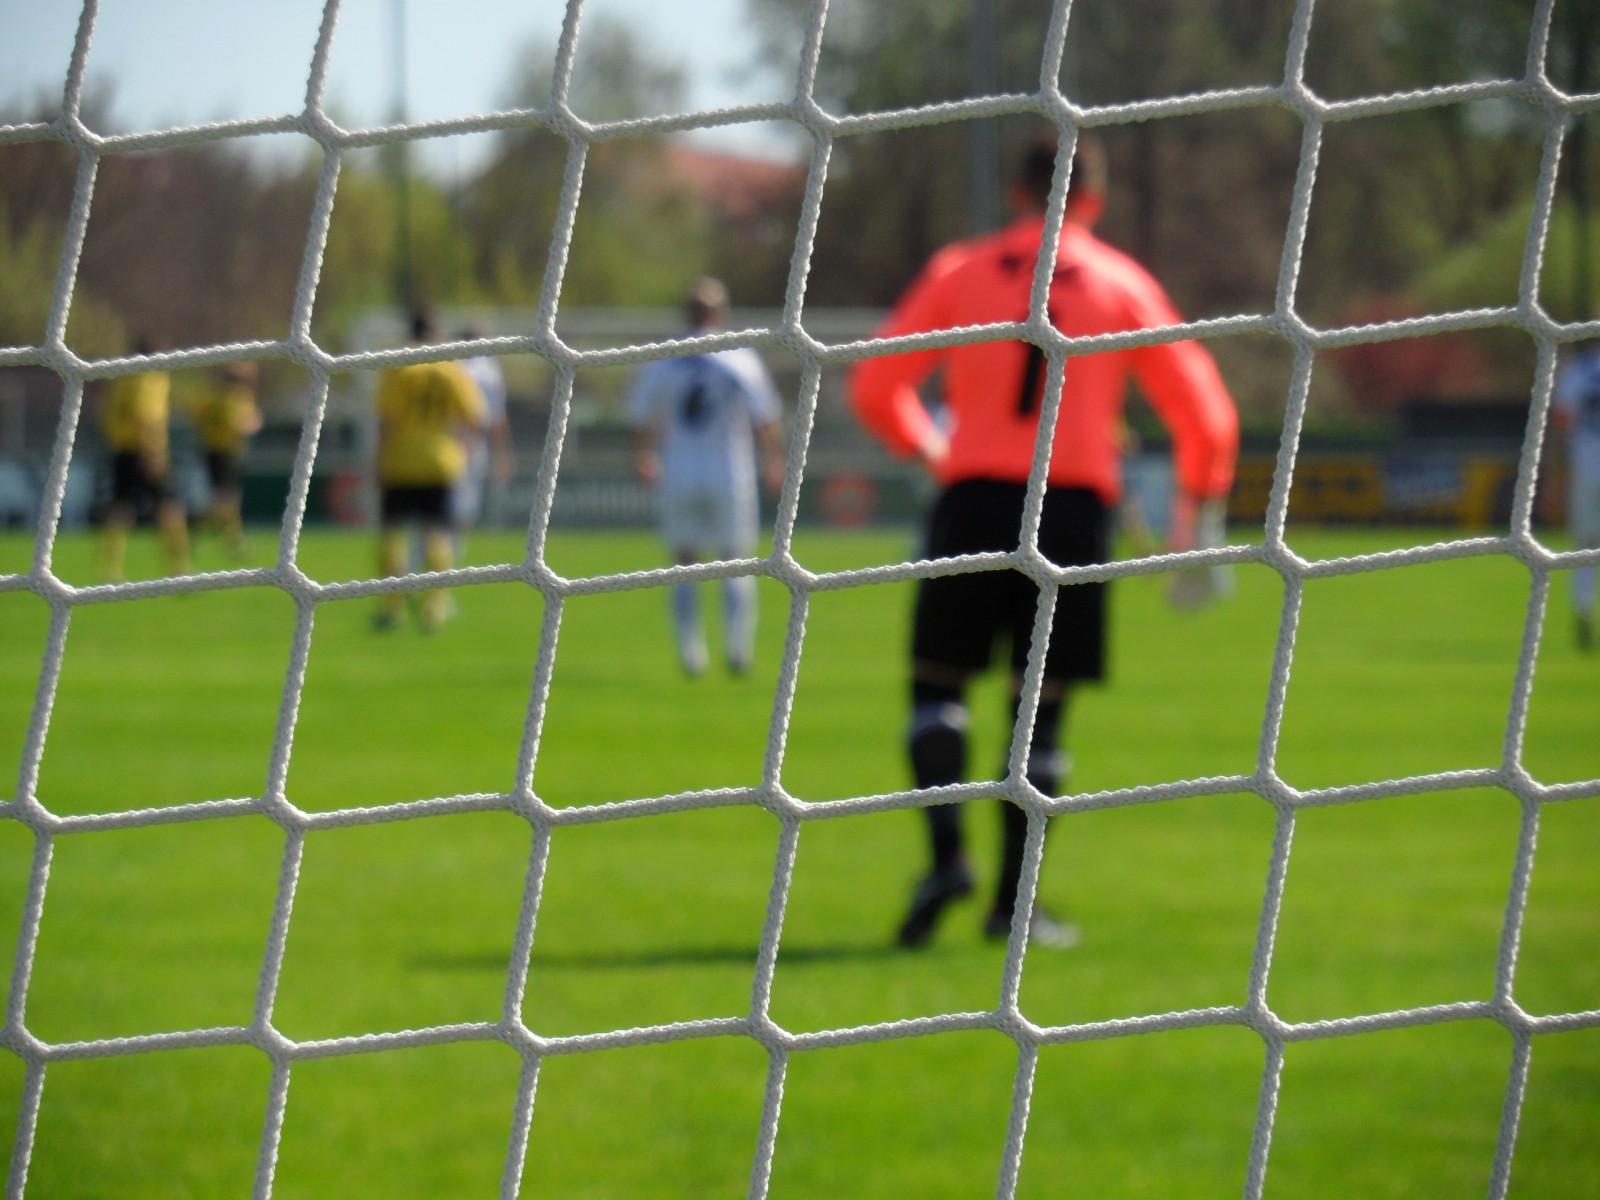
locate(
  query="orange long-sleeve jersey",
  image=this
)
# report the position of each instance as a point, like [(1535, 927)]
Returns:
[(994, 390)]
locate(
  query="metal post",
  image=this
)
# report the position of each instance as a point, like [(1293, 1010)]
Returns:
[(984, 199), (399, 167), (1580, 20)]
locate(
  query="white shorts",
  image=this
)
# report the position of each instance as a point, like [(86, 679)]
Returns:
[(466, 496), (708, 521)]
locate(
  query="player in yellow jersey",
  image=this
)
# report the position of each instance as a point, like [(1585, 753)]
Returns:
[(227, 417), (424, 410), (138, 414)]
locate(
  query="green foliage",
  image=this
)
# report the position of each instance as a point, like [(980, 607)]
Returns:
[(639, 238), (1202, 200), (1485, 272), (358, 260), (361, 259), (29, 263), (206, 243), (649, 243)]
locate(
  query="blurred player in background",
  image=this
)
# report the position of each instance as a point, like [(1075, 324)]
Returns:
[(227, 417), (698, 422), (1578, 412), (489, 449), (425, 413), (994, 393), (138, 417)]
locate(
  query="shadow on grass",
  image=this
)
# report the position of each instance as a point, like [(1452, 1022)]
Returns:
[(669, 956)]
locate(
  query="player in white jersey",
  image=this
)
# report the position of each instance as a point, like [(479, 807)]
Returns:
[(1578, 412), (489, 450), (699, 422)]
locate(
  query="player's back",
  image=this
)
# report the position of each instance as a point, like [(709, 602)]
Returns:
[(704, 408), (423, 409), (137, 410), (996, 388), (225, 417)]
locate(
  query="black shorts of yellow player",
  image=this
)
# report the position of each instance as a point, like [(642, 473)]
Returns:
[(419, 504)]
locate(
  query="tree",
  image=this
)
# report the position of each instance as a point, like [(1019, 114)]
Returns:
[(893, 198), (1203, 200), (28, 266), (205, 243), (638, 238), (360, 260)]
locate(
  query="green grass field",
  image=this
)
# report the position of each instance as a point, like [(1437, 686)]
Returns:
[(1390, 903)]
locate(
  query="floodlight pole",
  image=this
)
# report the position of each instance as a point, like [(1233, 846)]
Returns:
[(399, 153), (1581, 21), (983, 196)]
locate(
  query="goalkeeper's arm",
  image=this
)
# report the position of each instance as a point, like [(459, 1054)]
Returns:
[(1181, 381)]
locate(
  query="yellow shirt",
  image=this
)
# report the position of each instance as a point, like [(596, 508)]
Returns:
[(422, 410), (137, 411), (226, 418)]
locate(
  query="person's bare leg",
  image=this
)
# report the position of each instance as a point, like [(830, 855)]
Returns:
[(438, 553), (114, 543), (391, 565), (687, 627), (174, 525)]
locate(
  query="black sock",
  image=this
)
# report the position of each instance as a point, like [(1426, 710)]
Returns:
[(1013, 837), (1044, 759), (1044, 773), (944, 836)]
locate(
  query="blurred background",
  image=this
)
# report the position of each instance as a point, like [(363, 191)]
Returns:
[(1419, 212)]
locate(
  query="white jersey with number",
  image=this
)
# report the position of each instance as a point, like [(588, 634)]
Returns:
[(703, 410)]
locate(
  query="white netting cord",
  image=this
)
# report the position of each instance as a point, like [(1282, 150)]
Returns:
[(813, 355)]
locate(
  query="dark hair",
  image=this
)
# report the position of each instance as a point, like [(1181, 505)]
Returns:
[(422, 325), (1036, 170)]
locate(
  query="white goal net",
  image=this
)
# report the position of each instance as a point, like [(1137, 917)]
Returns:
[(1266, 548)]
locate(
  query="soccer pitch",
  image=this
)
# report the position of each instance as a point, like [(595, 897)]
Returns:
[(1390, 903)]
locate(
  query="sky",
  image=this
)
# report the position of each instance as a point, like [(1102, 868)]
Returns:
[(171, 62)]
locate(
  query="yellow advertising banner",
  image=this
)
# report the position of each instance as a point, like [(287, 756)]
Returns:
[(1468, 490)]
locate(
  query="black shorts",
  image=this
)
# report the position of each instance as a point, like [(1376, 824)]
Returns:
[(959, 618), (426, 504), (224, 471), (134, 485)]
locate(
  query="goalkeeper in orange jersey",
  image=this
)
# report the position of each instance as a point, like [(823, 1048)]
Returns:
[(425, 410), (982, 455), (227, 418), (138, 416)]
